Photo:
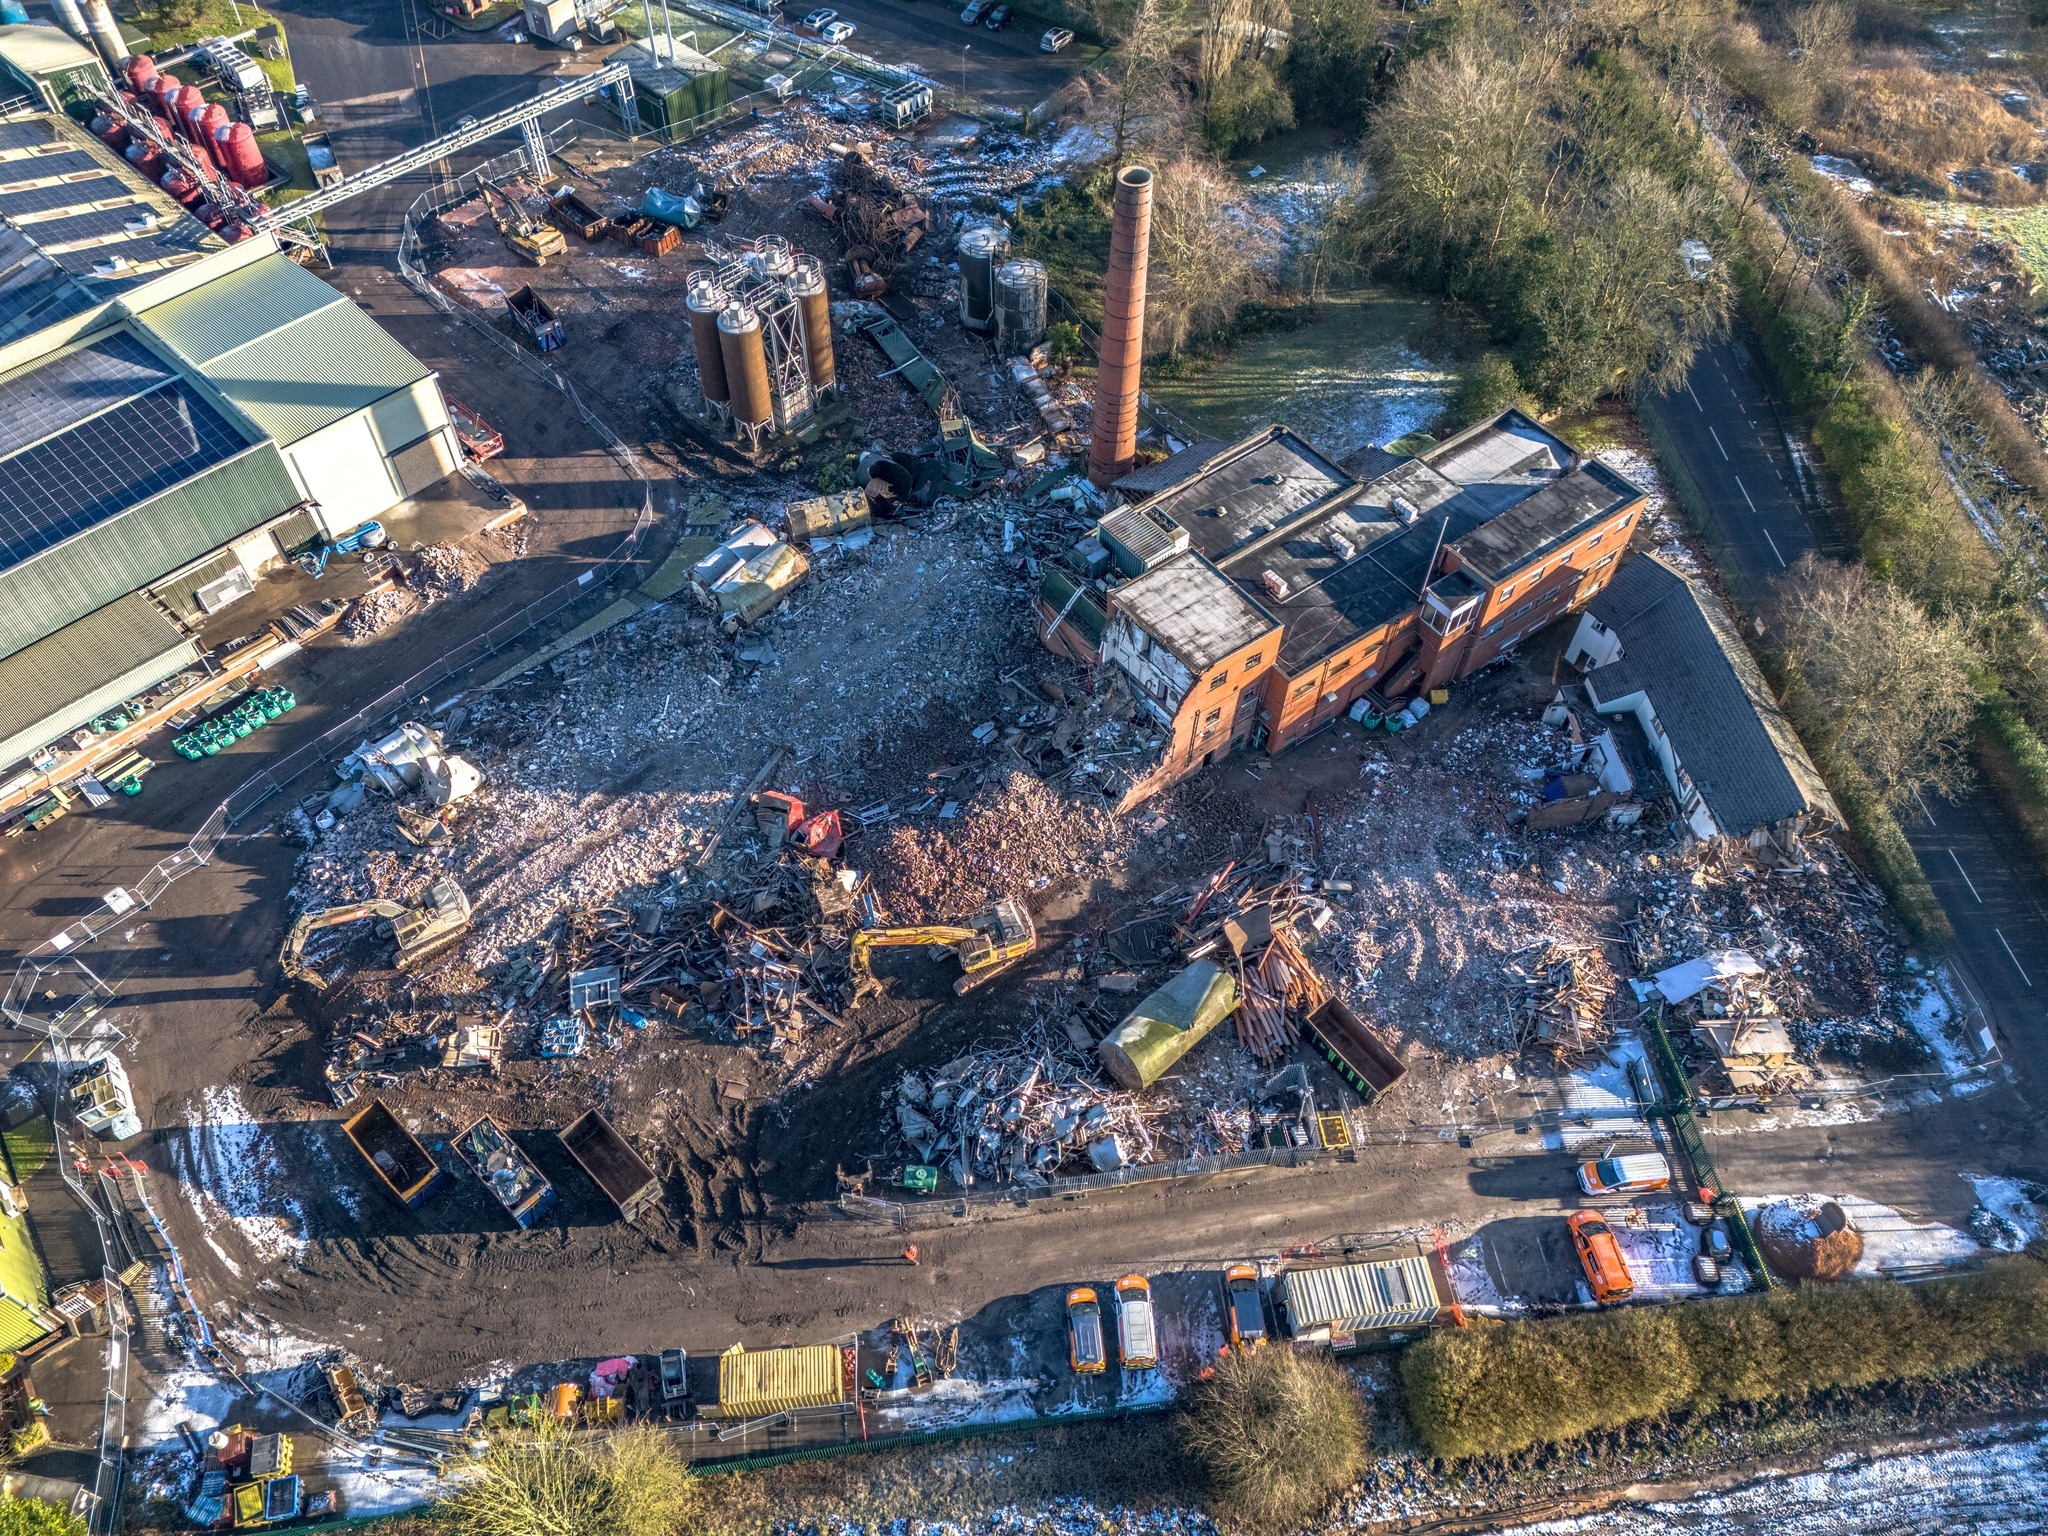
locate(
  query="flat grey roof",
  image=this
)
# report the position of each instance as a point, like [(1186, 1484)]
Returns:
[(1192, 609), (1680, 649), (1543, 519), (120, 644), (1249, 490)]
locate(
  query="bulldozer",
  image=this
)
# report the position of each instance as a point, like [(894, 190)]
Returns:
[(533, 239), (421, 931), (991, 942)]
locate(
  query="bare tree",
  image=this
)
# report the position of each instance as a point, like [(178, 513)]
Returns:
[(1205, 258), (1333, 187), (1893, 684), (1148, 104)]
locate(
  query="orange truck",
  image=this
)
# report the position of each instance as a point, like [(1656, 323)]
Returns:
[(1600, 1256)]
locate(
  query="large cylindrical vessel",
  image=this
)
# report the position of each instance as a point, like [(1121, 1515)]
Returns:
[(185, 109), (140, 70), (811, 293), (981, 248), (145, 158), (212, 118), (1020, 306), (746, 368), (771, 257), (239, 155), (1113, 437), (161, 96), (704, 301), (100, 18)]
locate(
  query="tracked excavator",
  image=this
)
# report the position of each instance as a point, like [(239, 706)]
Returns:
[(990, 944), (532, 238), (421, 931)]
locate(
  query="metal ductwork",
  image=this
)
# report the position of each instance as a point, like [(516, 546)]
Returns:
[(105, 31), (1113, 439), (74, 20)]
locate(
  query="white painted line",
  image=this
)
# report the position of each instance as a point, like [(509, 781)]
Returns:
[(1924, 811), (1774, 548), (1965, 874), (1717, 440), (2015, 959), (1695, 398)]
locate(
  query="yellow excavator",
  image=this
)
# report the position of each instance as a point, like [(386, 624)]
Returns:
[(987, 946), (422, 931), (534, 239)]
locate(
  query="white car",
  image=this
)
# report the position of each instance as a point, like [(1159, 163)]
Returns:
[(1054, 40), (836, 31), (818, 21)]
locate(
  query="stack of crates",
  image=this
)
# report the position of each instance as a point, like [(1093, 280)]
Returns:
[(252, 714)]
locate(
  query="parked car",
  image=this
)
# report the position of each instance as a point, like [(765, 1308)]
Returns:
[(1243, 1310), (998, 18), (1054, 40), (1714, 1241), (1084, 1332), (836, 31), (1137, 1334), (818, 21), (1633, 1173), (1600, 1256), (976, 9), (1706, 1271)]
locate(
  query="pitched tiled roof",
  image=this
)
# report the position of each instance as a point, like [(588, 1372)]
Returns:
[(1680, 648)]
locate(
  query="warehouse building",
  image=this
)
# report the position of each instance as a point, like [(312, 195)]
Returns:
[(49, 67), (176, 415)]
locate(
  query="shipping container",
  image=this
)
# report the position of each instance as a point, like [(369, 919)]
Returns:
[(506, 1171), (612, 1164), (1324, 1304), (755, 1383), (406, 1169)]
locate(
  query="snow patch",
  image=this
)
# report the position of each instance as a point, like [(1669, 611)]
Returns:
[(230, 1172)]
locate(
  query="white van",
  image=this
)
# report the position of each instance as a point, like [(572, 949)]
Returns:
[(1137, 1341), (1634, 1173)]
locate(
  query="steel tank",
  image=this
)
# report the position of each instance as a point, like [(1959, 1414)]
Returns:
[(705, 301), (1020, 305), (809, 287), (746, 368), (980, 249)]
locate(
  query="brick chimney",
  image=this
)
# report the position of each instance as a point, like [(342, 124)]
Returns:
[(1113, 440)]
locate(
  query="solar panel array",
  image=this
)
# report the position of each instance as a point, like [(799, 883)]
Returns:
[(92, 433), (67, 194), (25, 134)]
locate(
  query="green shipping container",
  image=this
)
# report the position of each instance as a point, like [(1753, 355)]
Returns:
[(1166, 1026), (674, 92)]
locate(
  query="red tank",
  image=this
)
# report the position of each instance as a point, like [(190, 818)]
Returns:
[(190, 103), (141, 70), (110, 131), (239, 156), (162, 95), (212, 118), (145, 159), (234, 233), (181, 186)]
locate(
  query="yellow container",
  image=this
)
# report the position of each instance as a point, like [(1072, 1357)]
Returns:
[(248, 1504), (1439, 696), (752, 1384)]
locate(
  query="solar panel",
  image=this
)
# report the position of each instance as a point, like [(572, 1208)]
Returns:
[(24, 135), (70, 194), (86, 226), (37, 167), (105, 465), (34, 290), (39, 402)]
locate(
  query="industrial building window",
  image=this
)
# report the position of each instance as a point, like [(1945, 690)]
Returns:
[(1605, 561), (1340, 666), (1219, 680), (1212, 717), (1253, 662), (1301, 688)]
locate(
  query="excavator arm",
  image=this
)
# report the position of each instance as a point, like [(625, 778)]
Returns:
[(291, 957)]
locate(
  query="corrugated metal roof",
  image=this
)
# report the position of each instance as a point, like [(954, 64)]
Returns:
[(1353, 1297), (59, 683), (291, 352), (763, 1381), (37, 49)]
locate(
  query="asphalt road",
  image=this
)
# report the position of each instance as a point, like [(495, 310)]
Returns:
[(1731, 444), (1005, 69)]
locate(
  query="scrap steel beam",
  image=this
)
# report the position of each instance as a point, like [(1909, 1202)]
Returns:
[(435, 150)]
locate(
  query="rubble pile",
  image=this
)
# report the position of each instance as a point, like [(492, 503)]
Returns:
[(1565, 1012), (1014, 836), (444, 570), (375, 612)]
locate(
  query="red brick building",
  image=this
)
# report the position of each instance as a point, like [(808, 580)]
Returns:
[(1256, 590)]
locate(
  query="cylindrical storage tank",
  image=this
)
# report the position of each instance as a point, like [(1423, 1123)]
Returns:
[(13, 13), (141, 70), (110, 131), (190, 102), (181, 187), (162, 96), (234, 233), (770, 257), (705, 302), (1020, 306), (239, 156), (746, 367), (809, 287), (212, 118), (980, 249), (145, 159)]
